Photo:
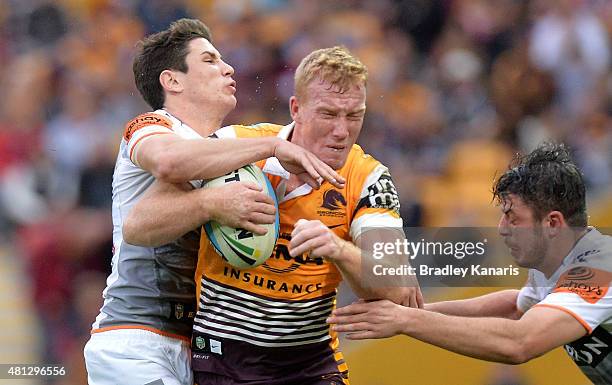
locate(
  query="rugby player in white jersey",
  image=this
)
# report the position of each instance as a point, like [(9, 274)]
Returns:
[(143, 330), (566, 300)]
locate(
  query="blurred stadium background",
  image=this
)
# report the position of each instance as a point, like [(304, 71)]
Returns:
[(456, 87)]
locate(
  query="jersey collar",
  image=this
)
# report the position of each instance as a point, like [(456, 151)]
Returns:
[(176, 120), (587, 242), (273, 167)]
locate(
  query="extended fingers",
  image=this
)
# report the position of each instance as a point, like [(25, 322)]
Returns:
[(351, 327), (363, 335), (412, 301), (251, 185), (257, 194), (355, 308), (420, 300), (262, 219), (253, 199), (309, 180), (263, 208), (307, 164), (345, 319), (254, 228), (259, 214), (264, 198), (328, 173)]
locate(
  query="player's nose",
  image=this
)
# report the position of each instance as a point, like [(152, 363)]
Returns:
[(228, 70), (341, 129), (502, 227)]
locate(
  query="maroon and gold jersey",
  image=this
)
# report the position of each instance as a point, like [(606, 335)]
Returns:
[(273, 316)]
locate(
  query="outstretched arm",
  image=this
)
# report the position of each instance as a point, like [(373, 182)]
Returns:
[(540, 330), (498, 304)]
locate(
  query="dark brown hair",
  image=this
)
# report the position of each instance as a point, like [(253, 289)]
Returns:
[(546, 180), (161, 51)]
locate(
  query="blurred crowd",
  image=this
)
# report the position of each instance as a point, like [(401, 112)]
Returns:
[(456, 87)]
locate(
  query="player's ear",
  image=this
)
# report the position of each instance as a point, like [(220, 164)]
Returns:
[(294, 108), (170, 81), (556, 222)]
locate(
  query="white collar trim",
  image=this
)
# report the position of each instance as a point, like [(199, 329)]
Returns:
[(272, 165)]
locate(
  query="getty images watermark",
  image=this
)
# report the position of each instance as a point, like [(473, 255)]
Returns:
[(452, 256), (423, 248)]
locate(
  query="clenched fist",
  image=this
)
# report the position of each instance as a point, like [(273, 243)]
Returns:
[(316, 238)]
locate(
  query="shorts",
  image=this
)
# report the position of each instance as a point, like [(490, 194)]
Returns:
[(137, 357), (205, 378)]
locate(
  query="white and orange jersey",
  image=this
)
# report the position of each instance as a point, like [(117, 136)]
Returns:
[(580, 287), (148, 288), (282, 304)]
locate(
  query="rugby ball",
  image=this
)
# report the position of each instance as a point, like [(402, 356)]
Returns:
[(241, 248)]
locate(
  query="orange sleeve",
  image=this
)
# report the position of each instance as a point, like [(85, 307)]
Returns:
[(144, 120)]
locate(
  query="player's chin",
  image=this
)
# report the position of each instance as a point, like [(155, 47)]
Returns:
[(335, 159), (230, 102), (520, 259)]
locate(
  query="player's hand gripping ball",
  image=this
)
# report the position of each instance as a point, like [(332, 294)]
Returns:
[(239, 247)]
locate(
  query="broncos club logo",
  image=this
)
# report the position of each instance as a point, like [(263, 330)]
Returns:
[(333, 200)]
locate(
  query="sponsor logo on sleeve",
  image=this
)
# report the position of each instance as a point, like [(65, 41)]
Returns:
[(590, 284), (144, 120), (381, 195)]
